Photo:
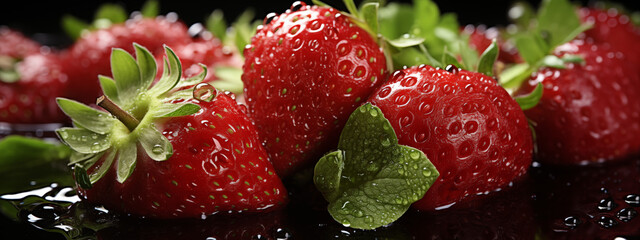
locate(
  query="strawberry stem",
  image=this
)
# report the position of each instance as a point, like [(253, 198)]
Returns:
[(124, 117)]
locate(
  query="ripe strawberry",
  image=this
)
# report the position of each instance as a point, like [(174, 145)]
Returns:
[(305, 72), (480, 37), (613, 28), (177, 157), (470, 128), (30, 81), (588, 112), (88, 57)]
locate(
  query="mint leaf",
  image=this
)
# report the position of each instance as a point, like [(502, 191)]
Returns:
[(372, 180), (531, 100)]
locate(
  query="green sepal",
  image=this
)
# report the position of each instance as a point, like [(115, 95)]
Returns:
[(449, 59), (371, 180), (406, 41), (84, 140), (217, 24), (156, 145), (89, 118), (150, 9), (109, 13), (175, 110), (552, 61), (127, 155), (109, 88), (532, 99), (369, 13), (104, 165), (513, 76), (74, 26), (126, 74), (488, 58), (229, 79), (171, 74), (81, 177), (147, 66), (194, 80)]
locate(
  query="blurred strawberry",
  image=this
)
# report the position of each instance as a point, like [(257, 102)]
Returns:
[(481, 37)]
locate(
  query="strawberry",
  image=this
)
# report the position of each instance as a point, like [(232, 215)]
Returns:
[(88, 57), (30, 80), (177, 153), (305, 71), (475, 134), (613, 28), (480, 37), (588, 112)]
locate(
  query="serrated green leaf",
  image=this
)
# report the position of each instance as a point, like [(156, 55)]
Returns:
[(171, 74), (74, 26), (372, 180), (87, 117), (175, 110), (127, 155), (83, 140), (488, 58), (103, 167), (109, 88), (147, 66), (155, 144), (369, 13), (513, 76), (217, 24), (150, 9), (114, 13), (531, 100), (126, 74)]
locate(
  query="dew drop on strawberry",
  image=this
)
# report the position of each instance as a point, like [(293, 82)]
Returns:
[(571, 222), (633, 200), (626, 214)]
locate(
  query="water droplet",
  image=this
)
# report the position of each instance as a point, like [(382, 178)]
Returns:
[(626, 214), (606, 204), (426, 172), (571, 222), (270, 17), (297, 5), (373, 112), (386, 142), (282, 234), (204, 92), (452, 69), (633, 200), (414, 155), (157, 149), (607, 222)]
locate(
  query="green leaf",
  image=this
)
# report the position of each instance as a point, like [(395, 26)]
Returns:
[(171, 74), (426, 18), (150, 9), (73, 26), (147, 66), (114, 13), (155, 144), (194, 80), (409, 57), (449, 59), (229, 79), (558, 19), (109, 88), (84, 140), (573, 58), (352, 8), (81, 176), (369, 13), (531, 100), (531, 49), (217, 24), (553, 61), (395, 19), (87, 117), (406, 41), (320, 3), (513, 76), (126, 74), (103, 167), (175, 110), (127, 155), (487, 59), (372, 180)]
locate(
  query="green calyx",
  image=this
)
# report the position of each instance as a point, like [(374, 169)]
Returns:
[(106, 15), (134, 104), (371, 180)]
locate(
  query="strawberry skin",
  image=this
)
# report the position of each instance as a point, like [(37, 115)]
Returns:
[(305, 72), (88, 57), (588, 112), (468, 126), (15, 45), (218, 165), (613, 28)]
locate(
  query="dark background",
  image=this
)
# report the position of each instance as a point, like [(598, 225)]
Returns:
[(37, 18)]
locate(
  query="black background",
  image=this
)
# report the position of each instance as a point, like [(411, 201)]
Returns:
[(36, 18)]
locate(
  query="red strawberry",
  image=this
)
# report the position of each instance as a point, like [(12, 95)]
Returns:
[(305, 72), (88, 57), (613, 28), (176, 157), (29, 81), (588, 112), (468, 126), (480, 37)]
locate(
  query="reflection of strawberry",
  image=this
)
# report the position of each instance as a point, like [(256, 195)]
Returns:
[(29, 81), (88, 57), (588, 112), (591, 202), (613, 28), (175, 156), (468, 126), (305, 71)]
